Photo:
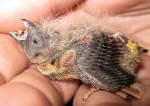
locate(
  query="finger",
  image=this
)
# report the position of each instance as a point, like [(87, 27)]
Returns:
[(13, 11), (110, 6), (144, 77), (144, 101), (65, 4), (143, 71), (21, 94), (12, 58), (66, 88), (57, 93), (32, 78), (99, 98)]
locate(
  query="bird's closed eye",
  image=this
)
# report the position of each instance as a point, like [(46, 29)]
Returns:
[(37, 41)]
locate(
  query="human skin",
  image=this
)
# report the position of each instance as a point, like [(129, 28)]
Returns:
[(22, 85)]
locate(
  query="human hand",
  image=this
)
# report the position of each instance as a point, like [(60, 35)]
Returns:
[(14, 66), (20, 83)]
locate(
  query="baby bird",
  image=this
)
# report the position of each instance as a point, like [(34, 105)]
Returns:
[(102, 59)]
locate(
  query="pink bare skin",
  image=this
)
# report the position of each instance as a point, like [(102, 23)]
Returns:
[(22, 85)]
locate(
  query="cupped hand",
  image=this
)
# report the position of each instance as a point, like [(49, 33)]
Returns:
[(22, 84)]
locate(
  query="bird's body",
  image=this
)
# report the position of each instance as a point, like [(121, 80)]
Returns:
[(102, 59)]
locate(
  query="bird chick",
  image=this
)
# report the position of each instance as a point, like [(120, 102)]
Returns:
[(102, 59)]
